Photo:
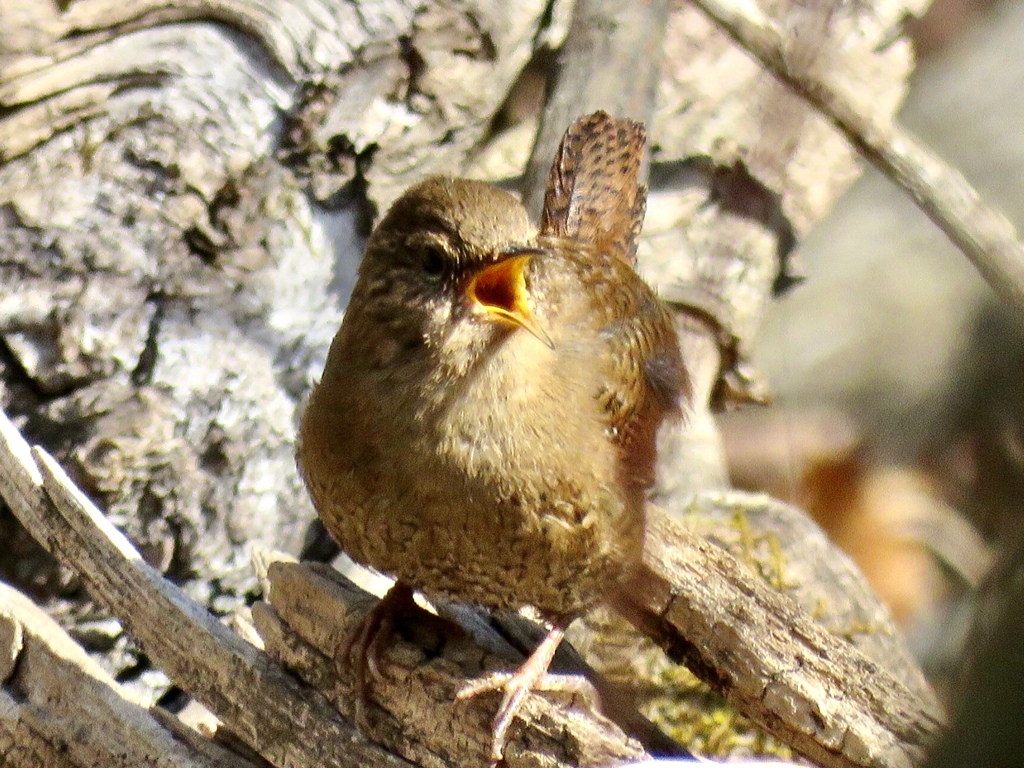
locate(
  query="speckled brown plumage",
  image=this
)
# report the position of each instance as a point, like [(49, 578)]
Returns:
[(485, 425), (593, 194), (595, 203)]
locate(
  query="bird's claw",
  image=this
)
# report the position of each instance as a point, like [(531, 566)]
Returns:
[(515, 686), (365, 645)]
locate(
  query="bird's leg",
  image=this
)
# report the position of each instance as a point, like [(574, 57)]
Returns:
[(364, 646), (515, 686)]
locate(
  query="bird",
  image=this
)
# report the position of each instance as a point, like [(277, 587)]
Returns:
[(485, 426)]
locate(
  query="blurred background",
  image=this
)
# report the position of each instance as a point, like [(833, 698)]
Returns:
[(898, 379)]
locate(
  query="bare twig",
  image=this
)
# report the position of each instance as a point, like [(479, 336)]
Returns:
[(984, 234)]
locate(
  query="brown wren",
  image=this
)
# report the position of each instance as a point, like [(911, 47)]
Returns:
[(485, 426)]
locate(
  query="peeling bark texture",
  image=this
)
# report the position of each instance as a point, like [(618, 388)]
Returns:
[(741, 168), (778, 665), (982, 233), (259, 702), (793, 556), (412, 708), (792, 685)]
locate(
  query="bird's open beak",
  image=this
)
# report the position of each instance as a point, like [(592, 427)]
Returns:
[(500, 290)]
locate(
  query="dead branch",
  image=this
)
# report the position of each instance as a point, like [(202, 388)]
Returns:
[(822, 695), (804, 685), (58, 707), (984, 234), (257, 700), (254, 697), (412, 709)]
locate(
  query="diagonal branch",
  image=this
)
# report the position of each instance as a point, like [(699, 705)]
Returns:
[(286, 722), (257, 699), (410, 705), (984, 234), (809, 688), (58, 706)]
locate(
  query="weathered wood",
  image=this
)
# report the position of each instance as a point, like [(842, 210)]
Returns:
[(743, 169), (59, 708), (778, 666), (984, 234), (412, 707), (169, 280), (775, 662), (790, 553), (257, 700)]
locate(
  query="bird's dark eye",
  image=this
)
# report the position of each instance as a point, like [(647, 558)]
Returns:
[(433, 261)]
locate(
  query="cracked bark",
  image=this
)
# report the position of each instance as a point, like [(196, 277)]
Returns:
[(58, 707), (259, 701), (831, 702)]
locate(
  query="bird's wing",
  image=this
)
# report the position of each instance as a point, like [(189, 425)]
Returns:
[(643, 378), (649, 381)]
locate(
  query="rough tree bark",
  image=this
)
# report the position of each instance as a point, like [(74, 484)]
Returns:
[(802, 682)]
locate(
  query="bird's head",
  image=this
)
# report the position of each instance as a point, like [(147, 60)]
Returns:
[(447, 270)]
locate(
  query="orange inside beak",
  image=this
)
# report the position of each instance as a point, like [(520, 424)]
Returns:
[(500, 290)]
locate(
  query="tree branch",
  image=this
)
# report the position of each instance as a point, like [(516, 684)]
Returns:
[(411, 707), (58, 707), (804, 685), (984, 234), (256, 699)]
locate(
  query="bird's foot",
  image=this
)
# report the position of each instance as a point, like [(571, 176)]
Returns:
[(365, 646), (514, 686)]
